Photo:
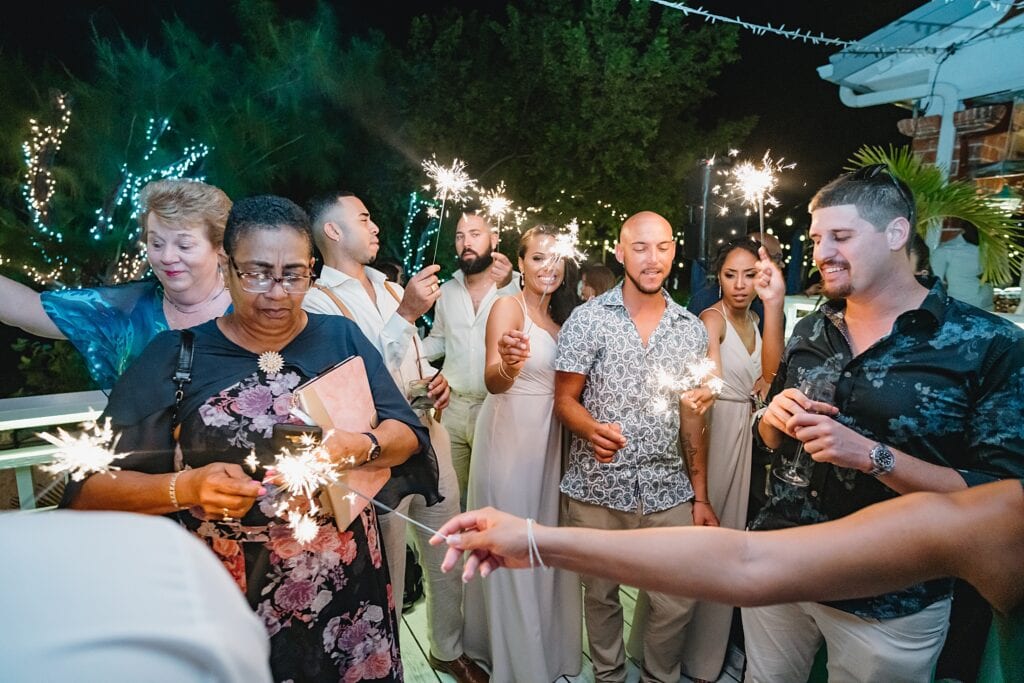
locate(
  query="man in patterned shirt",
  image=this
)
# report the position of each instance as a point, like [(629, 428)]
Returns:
[(928, 397), (625, 470)]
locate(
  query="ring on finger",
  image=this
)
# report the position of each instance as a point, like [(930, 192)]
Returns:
[(227, 514)]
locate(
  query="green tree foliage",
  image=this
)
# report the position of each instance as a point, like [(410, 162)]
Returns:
[(599, 99)]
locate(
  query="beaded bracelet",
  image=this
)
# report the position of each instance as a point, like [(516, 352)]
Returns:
[(172, 490)]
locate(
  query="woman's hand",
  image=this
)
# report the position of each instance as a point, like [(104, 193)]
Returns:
[(493, 539), (769, 283), (347, 450), (221, 489), (514, 348)]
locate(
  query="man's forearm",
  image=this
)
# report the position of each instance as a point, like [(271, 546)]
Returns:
[(693, 435), (574, 417)]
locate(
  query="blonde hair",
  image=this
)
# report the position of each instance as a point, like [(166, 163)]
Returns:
[(186, 201)]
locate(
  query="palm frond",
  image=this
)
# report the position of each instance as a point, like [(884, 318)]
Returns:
[(938, 198)]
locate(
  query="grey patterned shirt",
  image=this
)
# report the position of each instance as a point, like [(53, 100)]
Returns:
[(599, 340)]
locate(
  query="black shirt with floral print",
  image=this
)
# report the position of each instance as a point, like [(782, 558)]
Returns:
[(946, 385)]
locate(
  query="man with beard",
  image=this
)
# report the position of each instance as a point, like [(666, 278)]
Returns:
[(624, 467), (460, 324), (347, 238), (928, 393)]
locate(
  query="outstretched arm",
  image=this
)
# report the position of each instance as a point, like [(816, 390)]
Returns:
[(976, 534), (20, 307)]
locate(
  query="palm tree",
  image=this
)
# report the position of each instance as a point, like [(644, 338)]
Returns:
[(936, 198)]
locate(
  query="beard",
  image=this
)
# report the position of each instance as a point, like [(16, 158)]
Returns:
[(837, 290), (475, 264), (646, 290)]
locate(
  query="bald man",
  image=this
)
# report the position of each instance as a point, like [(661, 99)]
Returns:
[(624, 467)]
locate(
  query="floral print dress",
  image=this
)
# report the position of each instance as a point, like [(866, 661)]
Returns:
[(328, 605)]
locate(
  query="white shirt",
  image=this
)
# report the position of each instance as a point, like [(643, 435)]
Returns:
[(957, 263), (383, 326), (120, 597), (459, 334)]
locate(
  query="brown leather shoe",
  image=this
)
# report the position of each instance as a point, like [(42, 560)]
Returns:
[(463, 669)]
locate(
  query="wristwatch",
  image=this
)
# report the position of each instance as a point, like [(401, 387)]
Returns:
[(882, 460), (374, 451)]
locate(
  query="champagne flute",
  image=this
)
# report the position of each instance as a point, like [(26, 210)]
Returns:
[(795, 473)]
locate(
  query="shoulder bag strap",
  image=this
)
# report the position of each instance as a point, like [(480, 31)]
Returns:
[(415, 334), (336, 299), (182, 376)]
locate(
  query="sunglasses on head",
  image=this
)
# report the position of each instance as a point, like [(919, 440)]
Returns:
[(873, 171)]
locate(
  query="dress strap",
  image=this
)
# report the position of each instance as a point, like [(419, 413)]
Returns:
[(526, 315)]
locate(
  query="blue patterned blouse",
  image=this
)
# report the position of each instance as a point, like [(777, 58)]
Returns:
[(108, 325)]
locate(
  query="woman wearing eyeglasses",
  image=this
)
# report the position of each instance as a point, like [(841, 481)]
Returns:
[(327, 604)]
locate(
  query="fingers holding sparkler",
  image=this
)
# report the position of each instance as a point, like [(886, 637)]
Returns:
[(221, 489), (769, 282), (514, 348), (421, 292), (500, 270)]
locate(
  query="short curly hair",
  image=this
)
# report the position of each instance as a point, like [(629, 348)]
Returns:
[(265, 212)]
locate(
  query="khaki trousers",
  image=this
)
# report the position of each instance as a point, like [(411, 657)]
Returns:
[(669, 614), (781, 641), (459, 418)]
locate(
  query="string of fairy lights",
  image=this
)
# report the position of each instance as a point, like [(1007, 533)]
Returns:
[(853, 46), (39, 187)]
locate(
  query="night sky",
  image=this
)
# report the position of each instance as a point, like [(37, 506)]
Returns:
[(801, 117)]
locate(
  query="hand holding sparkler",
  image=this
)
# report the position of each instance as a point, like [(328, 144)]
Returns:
[(514, 349), (500, 270), (769, 283), (421, 292), (606, 439), (223, 490)]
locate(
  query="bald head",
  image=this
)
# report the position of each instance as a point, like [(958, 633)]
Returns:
[(646, 222), (645, 250)]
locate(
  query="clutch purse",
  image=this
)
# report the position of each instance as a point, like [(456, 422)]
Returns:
[(340, 398)]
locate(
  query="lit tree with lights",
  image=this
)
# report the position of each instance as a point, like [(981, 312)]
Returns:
[(64, 251)]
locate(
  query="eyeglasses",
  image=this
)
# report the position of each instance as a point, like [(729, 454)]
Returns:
[(873, 171), (261, 283)]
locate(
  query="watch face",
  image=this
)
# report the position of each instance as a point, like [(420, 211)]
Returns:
[(882, 459)]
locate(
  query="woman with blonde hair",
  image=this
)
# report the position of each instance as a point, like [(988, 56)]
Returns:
[(182, 225)]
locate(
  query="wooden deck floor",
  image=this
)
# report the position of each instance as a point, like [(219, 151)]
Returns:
[(413, 638)]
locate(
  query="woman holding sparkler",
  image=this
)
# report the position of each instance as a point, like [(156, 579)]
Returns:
[(323, 594), (747, 363), (526, 626), (182, 224)]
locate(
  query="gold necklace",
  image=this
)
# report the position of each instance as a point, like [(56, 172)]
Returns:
[(197, 307)]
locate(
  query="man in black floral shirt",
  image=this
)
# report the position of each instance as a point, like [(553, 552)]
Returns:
[(625, 470), (928, 397)]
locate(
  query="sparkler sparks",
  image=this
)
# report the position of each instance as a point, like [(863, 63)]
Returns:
[(450, 182), (496, 204), (90, 452), (753, 185)]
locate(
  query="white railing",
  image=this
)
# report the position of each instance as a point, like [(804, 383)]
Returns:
[(41, 413)]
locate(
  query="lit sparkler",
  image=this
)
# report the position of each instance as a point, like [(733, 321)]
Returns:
[(565, 248), (90, 452), (450, 182), (754, 184), (496, 204), (671, 386)]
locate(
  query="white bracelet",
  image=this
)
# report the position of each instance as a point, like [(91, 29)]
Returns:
[(531, 544), (172, 490)]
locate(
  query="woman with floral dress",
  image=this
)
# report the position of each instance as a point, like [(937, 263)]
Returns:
[(327, 603)]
